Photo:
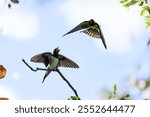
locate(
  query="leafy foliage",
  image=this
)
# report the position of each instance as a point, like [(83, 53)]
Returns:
[(114, 95), (74, 98), (142, 3), (125, 97)]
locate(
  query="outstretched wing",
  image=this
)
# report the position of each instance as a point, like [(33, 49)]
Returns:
[(45, 58), (66, 62), (81, 26), (95, 31)]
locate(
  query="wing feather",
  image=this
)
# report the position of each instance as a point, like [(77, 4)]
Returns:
[(92, 32), (66, 62), (95, 32), (45, 58), (81, 26)]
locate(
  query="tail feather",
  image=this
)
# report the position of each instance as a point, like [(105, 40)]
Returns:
[(103, 38), (46, 74)]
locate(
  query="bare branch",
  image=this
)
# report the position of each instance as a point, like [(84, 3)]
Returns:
[(56, 70)]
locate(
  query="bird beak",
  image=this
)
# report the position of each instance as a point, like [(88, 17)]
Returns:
[(58, 49)]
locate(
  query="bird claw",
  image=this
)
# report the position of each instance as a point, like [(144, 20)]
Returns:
[(54, 69)]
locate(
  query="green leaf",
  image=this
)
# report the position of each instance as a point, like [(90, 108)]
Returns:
[(126, 97), (148, 83), (110, 96), (146, 8), (74, 98), (141, 3), (147, 18), (146, 1), (123, 1), (147, 24), (132, 2), (142, 12), (115, 89)]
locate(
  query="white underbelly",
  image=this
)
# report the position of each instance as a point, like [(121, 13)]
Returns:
[(54, 64)]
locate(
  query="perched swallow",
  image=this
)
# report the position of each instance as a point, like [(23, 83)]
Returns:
[(3, 72), (90, 28), (53, 61)]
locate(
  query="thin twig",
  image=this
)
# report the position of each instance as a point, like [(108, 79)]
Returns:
[(29, 66), (56, 70)]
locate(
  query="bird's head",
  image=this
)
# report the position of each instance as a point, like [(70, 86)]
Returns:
[(56, 50), (91, 22)]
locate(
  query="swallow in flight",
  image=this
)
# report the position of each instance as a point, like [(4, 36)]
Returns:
[(90, 28)]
